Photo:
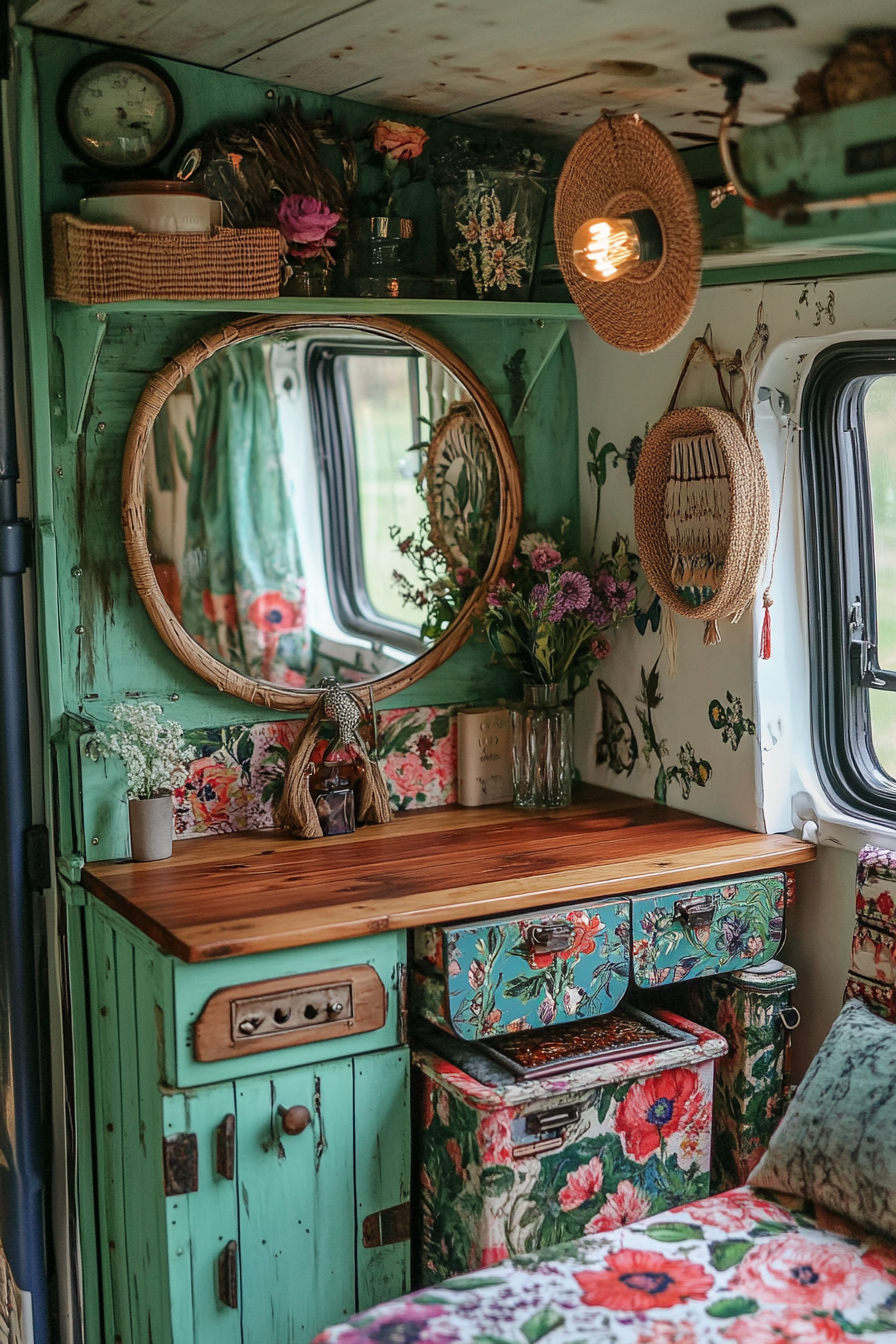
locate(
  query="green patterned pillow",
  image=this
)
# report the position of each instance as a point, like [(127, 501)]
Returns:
[(837, 1143)]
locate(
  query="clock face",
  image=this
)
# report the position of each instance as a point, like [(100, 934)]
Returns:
[(119, 113)]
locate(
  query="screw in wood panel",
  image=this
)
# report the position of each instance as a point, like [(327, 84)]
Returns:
[(101, 427), (77, 571), (59, 471), (95, 840), (79, 629)]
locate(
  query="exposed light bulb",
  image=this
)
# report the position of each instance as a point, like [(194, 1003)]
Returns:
[(604, 249)]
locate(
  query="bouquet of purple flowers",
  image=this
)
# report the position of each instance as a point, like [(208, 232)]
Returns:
[(546, 623)]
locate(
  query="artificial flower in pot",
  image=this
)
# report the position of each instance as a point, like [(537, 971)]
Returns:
[(309, 229), (387, 247), (155, 758), (547, 623)]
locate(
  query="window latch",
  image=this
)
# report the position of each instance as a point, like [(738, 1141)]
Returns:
[(864, 668)]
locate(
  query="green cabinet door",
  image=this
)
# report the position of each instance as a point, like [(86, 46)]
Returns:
[(296, 1203), (382, 1175)]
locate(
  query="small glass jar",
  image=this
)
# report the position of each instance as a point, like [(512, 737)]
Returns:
[(334, 799), (541, 731)]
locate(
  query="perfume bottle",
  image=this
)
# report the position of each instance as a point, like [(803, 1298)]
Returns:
[(334, 798)]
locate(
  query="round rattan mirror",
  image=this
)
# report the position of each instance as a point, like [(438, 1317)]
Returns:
[(316, 496)]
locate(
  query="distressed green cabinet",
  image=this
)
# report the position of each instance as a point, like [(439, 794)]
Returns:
[(216, 1224)]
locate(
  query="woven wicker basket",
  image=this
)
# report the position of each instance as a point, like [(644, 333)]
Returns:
[(109, 263)]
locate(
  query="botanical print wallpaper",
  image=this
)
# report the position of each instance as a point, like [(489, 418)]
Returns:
[(684, 735)]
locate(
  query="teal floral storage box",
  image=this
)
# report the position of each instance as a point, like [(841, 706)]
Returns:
[(685, 932), (513, 1166), (504, 975)]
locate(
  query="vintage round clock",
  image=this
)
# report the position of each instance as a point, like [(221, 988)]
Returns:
[(119, 111)]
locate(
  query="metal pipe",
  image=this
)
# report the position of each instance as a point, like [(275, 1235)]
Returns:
[(22, 1131), (794, 203)]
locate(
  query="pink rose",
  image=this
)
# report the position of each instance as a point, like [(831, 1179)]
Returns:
[(309, 223), (398, 140), (601, 648)]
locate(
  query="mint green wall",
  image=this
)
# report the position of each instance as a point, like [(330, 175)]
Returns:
[(87, 369), (119, 651)]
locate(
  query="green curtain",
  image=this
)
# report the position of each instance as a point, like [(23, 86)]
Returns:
[(242, 584)]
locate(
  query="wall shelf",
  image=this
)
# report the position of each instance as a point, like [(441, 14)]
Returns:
[(341, 307)]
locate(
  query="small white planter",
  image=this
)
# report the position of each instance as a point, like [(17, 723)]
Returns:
[(152, 828)]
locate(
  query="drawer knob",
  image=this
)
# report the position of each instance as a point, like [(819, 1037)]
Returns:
[(294, 1118), (249, 1025), (335, 1008)]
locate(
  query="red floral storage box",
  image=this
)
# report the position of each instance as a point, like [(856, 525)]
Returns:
[(512, 1166)]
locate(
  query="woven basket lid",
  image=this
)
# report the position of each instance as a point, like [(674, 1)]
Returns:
[(618, 165), (749, 511)]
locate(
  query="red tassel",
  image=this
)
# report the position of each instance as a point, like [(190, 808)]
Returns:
[(765, 643)]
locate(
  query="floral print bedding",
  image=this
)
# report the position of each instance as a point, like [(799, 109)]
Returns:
[(738, 1268)]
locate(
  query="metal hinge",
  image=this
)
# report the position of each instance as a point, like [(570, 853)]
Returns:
[(180, 1163), (387, 1227), (864, 668)]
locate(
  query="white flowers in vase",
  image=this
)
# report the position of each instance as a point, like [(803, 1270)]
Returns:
[(153, 749)]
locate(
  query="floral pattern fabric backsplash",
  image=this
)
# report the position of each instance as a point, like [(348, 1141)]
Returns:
[(743, 1267), (630, 1137), (235, 781), (513, 975)]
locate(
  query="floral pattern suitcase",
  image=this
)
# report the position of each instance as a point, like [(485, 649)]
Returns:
[(515, 974), (506, 1169), (686, 932)]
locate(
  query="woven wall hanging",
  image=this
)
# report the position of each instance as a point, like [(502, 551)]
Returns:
[(619, 165), (702, 503)]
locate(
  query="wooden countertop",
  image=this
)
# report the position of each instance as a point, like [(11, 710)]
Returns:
[(224, 896)]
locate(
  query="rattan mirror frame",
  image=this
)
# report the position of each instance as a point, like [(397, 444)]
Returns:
[(133, 509)]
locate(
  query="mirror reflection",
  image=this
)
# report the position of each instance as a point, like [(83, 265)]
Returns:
[(319, 503)]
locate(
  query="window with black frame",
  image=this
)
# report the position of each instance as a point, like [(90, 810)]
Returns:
[(366, 401), (849, 494)]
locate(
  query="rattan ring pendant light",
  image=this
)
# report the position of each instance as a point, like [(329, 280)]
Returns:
[(620, 165)]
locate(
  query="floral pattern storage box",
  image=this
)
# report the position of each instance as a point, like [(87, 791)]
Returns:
[(512, 1167), (686, 932), (506, 974)]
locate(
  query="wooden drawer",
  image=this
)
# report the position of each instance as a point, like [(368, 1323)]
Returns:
[(365, 976), (549, 967), (686, 932)]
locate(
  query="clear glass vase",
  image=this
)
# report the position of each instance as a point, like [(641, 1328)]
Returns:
[(492, 224), (542, 748)]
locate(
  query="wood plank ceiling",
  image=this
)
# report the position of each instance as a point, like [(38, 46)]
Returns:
[(545, 65)]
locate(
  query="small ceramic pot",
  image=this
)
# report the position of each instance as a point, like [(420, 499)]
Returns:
[(152, 828)]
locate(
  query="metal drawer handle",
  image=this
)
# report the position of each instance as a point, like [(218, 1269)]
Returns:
[(554, 937), (227, 1266), (540, 1121), (789, 1018), (695, 912)]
